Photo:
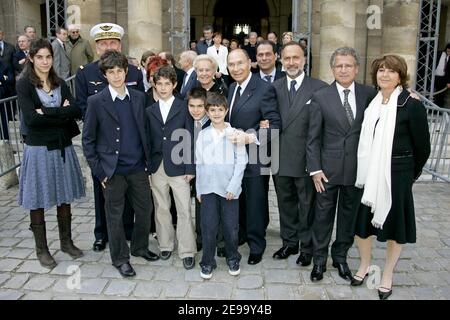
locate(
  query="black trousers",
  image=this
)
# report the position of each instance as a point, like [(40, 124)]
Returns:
[(254, 212), (344, 197), (440, 83), (101, 230), (136, 188), (295, 202), (219, 214)]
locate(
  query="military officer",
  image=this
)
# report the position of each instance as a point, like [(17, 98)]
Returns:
[(89, 81)]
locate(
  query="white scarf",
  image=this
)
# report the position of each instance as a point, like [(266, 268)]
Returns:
[(374, 156)]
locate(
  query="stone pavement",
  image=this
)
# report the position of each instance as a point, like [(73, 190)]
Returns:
[(423, 271)]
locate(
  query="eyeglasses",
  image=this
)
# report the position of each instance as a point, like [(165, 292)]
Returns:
[(344, 66), (74, 31)]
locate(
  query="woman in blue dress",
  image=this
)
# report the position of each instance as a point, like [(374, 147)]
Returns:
[(50, 174)]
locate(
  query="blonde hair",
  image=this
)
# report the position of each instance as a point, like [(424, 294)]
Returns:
[(205, 57)]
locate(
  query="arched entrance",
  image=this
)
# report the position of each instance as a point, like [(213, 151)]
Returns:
[(234, 18)]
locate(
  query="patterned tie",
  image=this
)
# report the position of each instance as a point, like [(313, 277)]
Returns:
[(268, 78), (348, 109), (292, 91)]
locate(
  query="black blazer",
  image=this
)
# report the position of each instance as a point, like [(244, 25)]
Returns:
[(18, 55), (411, 144), (258, 102), (162, 139), (295, 119), (7, 57), (101, 131), (191, 83), (332, 143), (180, 76), (57, 126)]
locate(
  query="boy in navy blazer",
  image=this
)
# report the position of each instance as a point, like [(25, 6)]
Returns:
[(115, 146), (171, 144)]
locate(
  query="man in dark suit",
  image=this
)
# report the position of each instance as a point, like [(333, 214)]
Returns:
[(89, 81), (294, 188), (266, 57), (7, 51), (61, 56), (21, 55), (6, 114), (252, 100), (336, 115), (115, 146), (442, 77), (251, 50), (202, 46), (190, 77)]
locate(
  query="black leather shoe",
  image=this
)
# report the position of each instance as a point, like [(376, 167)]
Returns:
[(126, 270), (357, 280), (383, 295), (304, 259), (254, 258), (221, 253), (99, 245), (188, 263), (285, 251), (148, 255), (165, 255), (344, 270), (317, 272)]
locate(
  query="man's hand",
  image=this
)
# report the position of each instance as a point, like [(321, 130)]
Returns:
[(264, 124), (229, 196), (242, 138), (39, 111), (317, 179), (22, 61), (199, 198), (188, 178), (104, 182), (66, 103)]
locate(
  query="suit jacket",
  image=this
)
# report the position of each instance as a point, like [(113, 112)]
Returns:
[(90, 80), (162, 139), (7, 57), (61, 60), (6, 80), (18, 55), (257, 102), (191, 83), (295, 119), (202, 47), (332, 143), (101, 131)]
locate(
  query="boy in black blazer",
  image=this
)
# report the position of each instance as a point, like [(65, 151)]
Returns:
[(115, 146), (171, 144)]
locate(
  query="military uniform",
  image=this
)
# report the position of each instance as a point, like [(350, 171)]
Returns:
[(89, 81)]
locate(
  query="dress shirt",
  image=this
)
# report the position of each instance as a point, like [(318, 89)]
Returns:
[(188, 75), (115, 94), (440, 69), (272, 74), (61, 43), (351, 96), (299, 80), (243, 85), (164, 107)]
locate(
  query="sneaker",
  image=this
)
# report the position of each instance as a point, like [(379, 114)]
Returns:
[(165, 254), (206, 272), (234, 269), (188, 263)]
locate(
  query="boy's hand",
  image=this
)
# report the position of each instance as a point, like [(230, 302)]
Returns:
[(229, 196), (199, 198), (188, 178), (264, 124), (66, 103)]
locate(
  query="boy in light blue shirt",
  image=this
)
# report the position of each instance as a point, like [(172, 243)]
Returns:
[(220, 167)]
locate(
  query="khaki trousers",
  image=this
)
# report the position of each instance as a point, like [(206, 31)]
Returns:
[(165, 231)]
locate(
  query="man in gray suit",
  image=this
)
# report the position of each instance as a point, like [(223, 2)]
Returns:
[(335, 119), (61, 56), (293, 185)]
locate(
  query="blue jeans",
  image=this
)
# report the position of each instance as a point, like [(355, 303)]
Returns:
[(215, 209)]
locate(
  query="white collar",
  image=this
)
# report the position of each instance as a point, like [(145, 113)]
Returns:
[(189, 72), (299, 81), (115, 94), (167, 102), (262, 74), (244, 84), (341, 88)]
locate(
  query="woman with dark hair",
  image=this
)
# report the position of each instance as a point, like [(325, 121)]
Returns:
[(219, 53), (393, 148), (50, 174)]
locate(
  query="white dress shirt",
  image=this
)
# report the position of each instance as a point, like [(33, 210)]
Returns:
[(351, 96), (440, 69), (272, 74), (188, 75), (164, 107), (115, 94), (299, 80)]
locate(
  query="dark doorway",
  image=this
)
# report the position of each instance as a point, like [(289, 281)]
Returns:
[(230, 13)]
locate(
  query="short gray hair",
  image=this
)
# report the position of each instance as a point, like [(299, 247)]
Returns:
[(190, 55), (344, 51), (205, 57)]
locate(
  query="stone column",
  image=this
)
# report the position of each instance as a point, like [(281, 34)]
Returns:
[(315, 38), (374, 36), (144, 26), (337, 29), (400, 28)]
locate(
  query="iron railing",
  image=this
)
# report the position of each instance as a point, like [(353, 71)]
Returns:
[(10, 127), (438, 164)]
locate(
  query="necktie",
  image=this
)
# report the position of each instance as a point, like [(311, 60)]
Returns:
[(184, 84), (64, 46), (292, 91), (268, 78), (236, 99), (348, 109)]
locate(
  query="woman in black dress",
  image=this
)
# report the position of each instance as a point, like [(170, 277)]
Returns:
[(393, 148)]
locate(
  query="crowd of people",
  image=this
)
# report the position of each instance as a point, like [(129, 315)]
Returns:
[(156, 135)]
